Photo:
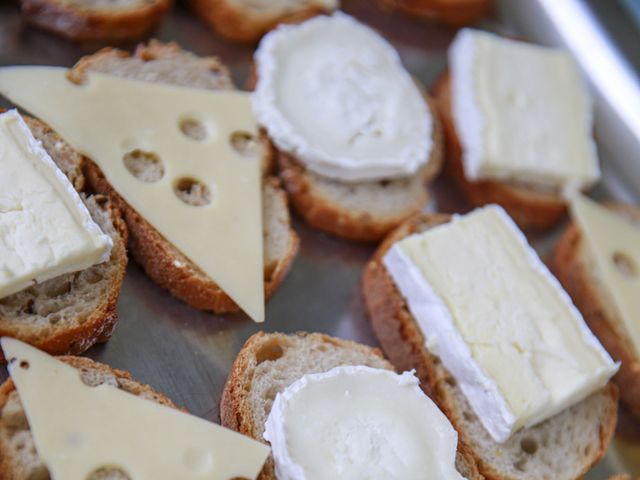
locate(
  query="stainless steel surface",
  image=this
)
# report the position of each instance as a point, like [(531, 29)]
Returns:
[(186, 354)]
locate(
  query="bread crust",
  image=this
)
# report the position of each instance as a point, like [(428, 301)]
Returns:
[(161, 261), (530, 208), (99, 325), (84, 24), (456, 13), (238, 24), (404, 345), (328, 215), (572, 264)]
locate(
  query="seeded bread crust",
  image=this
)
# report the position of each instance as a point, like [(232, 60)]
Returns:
[(574, 266), (19, 459), (360, 211), (70, 313), (162, 262), (82, 22), (452, 12), (531, 209), (270, 362), (561, 448), (239, 21)]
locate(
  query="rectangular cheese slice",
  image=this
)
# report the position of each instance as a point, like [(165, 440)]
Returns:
[(185, 136), (613, 244), (45, 228), (498, 319), (78, 429), (522, 113)]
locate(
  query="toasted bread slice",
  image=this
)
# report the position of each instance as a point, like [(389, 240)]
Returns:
[(165, 265), (69, 313), (452, 12), (362, 211), (561, 448), (248, 20), (270, 362), (19, 459), (572, 263), (95, 20), (530, 207)]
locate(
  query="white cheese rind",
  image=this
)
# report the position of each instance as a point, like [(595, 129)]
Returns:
[(359, 422), (521, 112), (498, 319), (334, 93), (45, 228)]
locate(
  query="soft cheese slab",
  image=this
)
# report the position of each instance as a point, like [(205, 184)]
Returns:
[(78, 429), (613, 242), (502, 325), (357, 422), (121, 124), (45, 228), (334, 93), (522, 112)]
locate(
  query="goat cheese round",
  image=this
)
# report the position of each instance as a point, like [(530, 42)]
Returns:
[(334, 94)]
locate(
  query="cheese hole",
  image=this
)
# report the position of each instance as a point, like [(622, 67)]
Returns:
[(245, 144), (271, 350), (625, 264), (24, 364), (193, 128), (198, 461), (192, 192), (145, 166), (529, 445), (103, 473)]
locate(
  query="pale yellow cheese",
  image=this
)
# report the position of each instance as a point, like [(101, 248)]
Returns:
[(45, 228), (78, 429), (108, 117), (614, 244)]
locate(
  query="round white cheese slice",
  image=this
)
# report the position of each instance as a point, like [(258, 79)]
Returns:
[(334, 93), (359, 422)]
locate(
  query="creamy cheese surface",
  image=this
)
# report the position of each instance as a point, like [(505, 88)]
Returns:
[(502, 325), (334, 93), (613, 244), (45, 228), (360, 423), (522, 113)]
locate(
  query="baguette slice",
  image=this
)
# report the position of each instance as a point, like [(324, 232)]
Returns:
[(19, 459), (362, 211), (248, 20), (531, 208), (269, 362), (163, 263), (574, 266), (69, 313), (452, 12), (95, 20), (561, 448)]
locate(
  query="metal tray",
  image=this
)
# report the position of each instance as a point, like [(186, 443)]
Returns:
[(185, 353)]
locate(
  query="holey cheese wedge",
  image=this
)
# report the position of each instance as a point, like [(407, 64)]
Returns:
[(45, 228), (499, 321), (204, 196), (81, 430)]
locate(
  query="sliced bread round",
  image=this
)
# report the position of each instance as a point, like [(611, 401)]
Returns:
[(69, 313), (270, 362), (163, 263), (574, 266), (19, 459), (564, 447), (531, 208), (95, 20)]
